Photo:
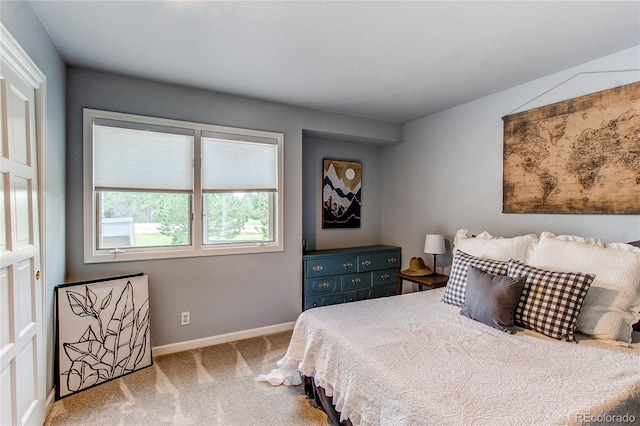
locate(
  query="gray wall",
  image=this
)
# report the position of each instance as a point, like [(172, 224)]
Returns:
[(314, 151), (223, 293), (451, 164), (24, 25)]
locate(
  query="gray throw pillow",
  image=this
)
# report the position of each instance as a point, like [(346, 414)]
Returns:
[(491, 299)]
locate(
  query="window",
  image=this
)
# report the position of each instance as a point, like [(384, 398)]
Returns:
[(158, 188)]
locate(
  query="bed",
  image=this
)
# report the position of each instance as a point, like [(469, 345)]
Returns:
[(413, 359)]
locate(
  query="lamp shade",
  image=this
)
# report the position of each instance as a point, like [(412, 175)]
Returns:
[(434, 244)]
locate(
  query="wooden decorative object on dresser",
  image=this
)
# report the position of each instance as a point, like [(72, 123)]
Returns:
[(350, 274)]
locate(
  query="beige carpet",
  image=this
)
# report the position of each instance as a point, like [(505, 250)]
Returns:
[(209, 386)]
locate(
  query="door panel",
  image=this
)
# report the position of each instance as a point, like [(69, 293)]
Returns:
[(3, 214), (27, 386), (23, 217), (18, 106), (25, 294), (6, 315), (3, 128), (6, 387)]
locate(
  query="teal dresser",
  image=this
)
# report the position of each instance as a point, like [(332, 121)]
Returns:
[(350, 274)]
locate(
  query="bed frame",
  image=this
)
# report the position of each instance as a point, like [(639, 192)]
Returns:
[(318, 399)]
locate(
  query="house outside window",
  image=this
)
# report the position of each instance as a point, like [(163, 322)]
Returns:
[(158, 188)]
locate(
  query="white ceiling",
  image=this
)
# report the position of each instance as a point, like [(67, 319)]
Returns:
[(394, 61)]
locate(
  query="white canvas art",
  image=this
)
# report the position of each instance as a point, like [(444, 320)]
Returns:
[(102, 331)]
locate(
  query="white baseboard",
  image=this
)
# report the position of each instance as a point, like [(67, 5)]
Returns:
[(50, 400), (221, 338)]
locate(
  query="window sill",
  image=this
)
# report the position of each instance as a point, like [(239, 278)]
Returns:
[(132, 255)]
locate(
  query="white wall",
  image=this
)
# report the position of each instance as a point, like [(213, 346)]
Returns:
[(447, 172), (224, 294), (22, 22)]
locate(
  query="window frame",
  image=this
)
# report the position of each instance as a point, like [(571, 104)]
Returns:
[(198, 247)]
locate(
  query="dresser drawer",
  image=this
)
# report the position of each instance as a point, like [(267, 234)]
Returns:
[(330, 299), (378, 291), (371, 262), (356, 281), (335, 266), (385, 276), (322, 285)]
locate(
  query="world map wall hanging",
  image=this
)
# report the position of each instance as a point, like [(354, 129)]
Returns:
[(581, 155)]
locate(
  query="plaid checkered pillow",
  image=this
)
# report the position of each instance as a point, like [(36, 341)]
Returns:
[(457, 284), (550, 301)]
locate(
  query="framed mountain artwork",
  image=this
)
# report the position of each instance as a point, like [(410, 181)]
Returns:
[(341, 194), (102, 331)]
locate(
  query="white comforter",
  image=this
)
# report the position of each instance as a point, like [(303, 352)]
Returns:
[(412, 360)]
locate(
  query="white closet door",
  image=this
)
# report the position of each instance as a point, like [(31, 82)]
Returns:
[(22, 340)]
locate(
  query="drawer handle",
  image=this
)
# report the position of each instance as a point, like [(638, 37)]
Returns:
[(347, 265), (385, 277), (366, 263), (392, 260), (356, 281), (323, 285), (317, 268)]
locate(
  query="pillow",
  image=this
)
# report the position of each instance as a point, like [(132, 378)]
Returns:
[(491, 299), (550, 301), (587, 240), (612, 304), (455, 290), (496, 248)]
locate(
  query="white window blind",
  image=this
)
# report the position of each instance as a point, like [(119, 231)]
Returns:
[(152, 158), (238, 164)]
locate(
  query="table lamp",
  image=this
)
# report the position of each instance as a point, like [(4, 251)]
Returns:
[(434, 244)]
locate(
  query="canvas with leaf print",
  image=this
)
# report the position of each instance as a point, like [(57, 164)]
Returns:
[(341, 194), (102, 331)]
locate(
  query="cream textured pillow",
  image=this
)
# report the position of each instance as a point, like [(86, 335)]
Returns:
[(613, 301), (496, 248), (587, 240)]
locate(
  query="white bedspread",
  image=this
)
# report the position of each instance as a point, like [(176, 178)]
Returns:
[(412, 360)]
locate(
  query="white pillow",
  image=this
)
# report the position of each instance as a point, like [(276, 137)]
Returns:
[(496, 248), (611, 306), (587, 240)]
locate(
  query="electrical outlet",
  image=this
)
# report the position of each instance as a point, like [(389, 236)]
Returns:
[(185, 318)]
